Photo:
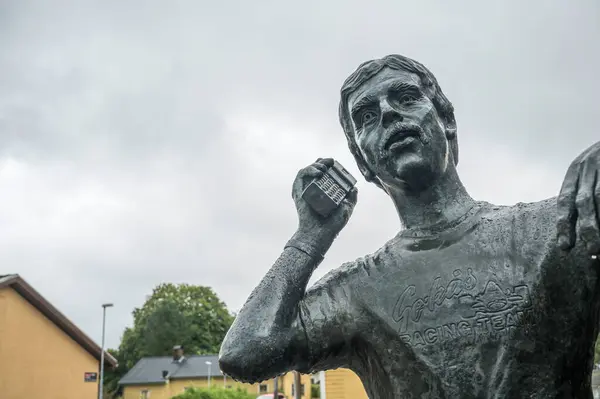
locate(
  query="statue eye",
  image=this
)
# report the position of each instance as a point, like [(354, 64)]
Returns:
[(368, 117), (407, 99)]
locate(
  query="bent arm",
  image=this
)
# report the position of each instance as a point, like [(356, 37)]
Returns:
[(268, 337)]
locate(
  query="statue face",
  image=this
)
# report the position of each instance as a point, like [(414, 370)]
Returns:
[(398, 130)]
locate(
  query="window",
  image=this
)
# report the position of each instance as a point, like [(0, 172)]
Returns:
[(262, 388), (301, 389), (145, 394)]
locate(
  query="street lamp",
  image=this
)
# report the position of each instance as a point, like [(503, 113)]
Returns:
[(101, 390), (208, 364)]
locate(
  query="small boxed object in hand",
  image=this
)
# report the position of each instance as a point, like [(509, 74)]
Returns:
[(327, 192)]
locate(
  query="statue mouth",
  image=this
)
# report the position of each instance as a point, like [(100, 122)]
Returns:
[(400, 136)]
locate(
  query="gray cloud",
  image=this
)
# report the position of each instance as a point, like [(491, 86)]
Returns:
[(150, 142)]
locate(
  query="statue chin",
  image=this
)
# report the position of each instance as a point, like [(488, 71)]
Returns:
[(410, 173)]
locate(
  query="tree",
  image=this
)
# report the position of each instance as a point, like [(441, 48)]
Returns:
[(112, 376), (214, 393), (165, 326), (315, 391), (183, 314)]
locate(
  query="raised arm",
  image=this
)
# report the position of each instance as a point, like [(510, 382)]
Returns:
[(269, 335), (579, 203)]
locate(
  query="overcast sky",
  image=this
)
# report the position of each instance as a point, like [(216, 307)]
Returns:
[(149, 141)]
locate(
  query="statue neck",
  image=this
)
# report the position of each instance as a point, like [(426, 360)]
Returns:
[(443, 202)]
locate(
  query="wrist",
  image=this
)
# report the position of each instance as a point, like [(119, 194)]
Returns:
[(314, 243)]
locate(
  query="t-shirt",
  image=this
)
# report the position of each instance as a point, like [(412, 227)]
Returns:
[(485, 307)]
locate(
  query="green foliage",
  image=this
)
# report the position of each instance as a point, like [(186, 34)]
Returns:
[(164, 327), (315, 391), (188, 315), (597, 352), (214, 393), (192, 316), (112, 376)]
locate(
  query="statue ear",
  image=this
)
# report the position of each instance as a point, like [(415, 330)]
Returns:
[(450, 125), (451, 131), (452, 139)]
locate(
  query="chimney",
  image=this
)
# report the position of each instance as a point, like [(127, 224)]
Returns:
[(178, 353), (165, 374)]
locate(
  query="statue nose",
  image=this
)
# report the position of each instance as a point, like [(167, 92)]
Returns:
[(389, 115)]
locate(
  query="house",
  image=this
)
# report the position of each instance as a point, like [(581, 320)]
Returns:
[(163, 377), (42, 353), (341, 384)]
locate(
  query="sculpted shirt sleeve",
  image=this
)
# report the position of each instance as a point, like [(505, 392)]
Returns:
[(328, 316)]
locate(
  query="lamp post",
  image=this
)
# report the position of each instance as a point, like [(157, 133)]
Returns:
[(298, 385), (276, 388), (101, 390), (208, 364)]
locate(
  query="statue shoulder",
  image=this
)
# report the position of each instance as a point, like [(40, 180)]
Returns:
[(545, 210), (340, 275), (532, 223), (348, 274), (360, 270)]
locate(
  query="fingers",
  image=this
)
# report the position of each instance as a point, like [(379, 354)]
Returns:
[(587, 226), (348, 203), (352, 196), (313, 171), (320, 166), (327, 162), (304, 175), (567, 211)]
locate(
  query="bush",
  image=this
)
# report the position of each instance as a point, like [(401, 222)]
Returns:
[(214, 393), (315, 391)]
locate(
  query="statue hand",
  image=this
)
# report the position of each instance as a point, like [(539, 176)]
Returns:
[(311, 222), (579, 202)]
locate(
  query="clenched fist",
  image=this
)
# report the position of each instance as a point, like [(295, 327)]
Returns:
[(309, 221), (579, 203)]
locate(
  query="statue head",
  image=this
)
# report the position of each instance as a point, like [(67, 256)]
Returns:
[(399, 124)]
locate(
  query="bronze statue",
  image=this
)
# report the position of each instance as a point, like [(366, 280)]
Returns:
[(469, 300)]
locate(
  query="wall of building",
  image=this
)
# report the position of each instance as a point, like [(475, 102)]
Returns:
[(343, 384), (37, 359), (154, 391), (175, 387), (288, 381)]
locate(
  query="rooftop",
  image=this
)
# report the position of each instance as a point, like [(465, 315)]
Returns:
[(18, 284), (149, 369)]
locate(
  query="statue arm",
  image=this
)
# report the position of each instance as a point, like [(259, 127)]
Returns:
[(579, 204), (273, 332)]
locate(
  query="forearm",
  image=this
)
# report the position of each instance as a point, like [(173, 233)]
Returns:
[(267, 337)]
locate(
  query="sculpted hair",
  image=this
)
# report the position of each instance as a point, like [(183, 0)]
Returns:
[(367, 70)]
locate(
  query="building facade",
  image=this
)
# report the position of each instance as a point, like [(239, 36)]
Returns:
[(163, 377), (42, 353), (341, 384)]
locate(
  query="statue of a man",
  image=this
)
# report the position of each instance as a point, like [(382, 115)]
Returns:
[(468, 300)]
